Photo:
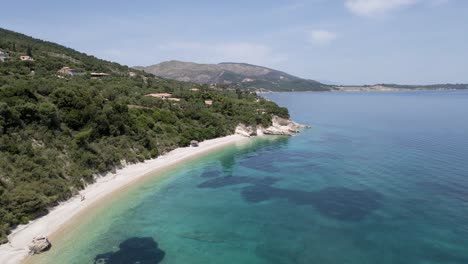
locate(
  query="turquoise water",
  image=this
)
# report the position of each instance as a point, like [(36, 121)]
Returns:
[(380, 178)]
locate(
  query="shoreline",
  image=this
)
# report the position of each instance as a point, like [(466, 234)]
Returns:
[(366, 90), (16, 251)]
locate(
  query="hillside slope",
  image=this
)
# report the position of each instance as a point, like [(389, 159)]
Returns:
[(61, 127), (242, 75)]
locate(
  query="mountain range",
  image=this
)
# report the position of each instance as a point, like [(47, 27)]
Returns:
[(263, 79), (241, 75)]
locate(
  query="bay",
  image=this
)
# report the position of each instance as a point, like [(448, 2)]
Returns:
[(379, 178)]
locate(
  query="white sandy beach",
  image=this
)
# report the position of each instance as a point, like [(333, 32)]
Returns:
[(15, 251)]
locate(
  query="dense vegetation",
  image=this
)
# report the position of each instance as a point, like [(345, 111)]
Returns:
[(57, 132), (290, 85)]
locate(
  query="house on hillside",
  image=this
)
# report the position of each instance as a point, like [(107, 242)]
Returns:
[(208, 102), (97, 75), (26, 58), (164, 96), (194, 89), (69, 71), (132, 74), (3, 55), (160, 95)]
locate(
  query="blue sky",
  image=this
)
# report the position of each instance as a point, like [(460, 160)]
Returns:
[(343, 41)]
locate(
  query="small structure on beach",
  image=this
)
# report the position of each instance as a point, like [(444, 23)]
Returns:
[(26, 58), (194, 143), (208, 102)]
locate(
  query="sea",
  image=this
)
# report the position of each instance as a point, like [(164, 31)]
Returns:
[(380, 177)]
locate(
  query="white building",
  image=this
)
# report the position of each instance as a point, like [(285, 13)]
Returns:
[(26, 58), (3, 55)]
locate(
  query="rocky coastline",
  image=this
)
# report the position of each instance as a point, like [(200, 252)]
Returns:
[(280, 126)]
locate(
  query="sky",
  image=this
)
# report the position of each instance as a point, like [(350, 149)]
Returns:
[(337, 41)]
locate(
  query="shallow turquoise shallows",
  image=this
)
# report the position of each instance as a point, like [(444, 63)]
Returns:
[(380, 178)]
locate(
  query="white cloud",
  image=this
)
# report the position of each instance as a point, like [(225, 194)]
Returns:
[(376, 7), (321, 37)]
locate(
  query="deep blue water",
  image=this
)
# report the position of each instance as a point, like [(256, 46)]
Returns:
[(380, 178)]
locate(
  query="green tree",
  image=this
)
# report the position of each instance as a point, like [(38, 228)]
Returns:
[(29, 51)]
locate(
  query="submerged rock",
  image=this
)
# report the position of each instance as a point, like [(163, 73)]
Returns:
[(39, 244), (141, 250)]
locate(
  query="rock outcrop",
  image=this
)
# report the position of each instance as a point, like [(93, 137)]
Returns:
[(280, 126), (246, 131), (39, 244)]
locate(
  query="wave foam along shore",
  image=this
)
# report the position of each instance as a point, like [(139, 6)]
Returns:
[(17, 249)]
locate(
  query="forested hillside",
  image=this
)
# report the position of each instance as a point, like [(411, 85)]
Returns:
[(58, 130)]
